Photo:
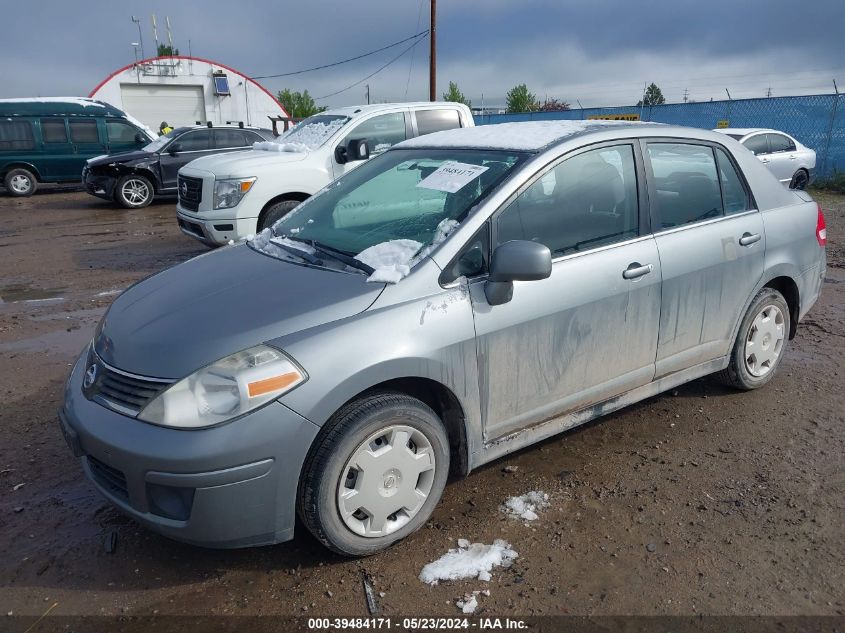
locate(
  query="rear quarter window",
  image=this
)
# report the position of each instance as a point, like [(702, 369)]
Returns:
[(16, 135), (53, 130), (429, 121)]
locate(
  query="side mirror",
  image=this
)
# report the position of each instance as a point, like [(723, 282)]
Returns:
[(140, 138), (357, 149), (174, 148), (518, 260)]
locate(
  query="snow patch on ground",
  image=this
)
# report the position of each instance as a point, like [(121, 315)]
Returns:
[(469, 561), (390, 261), (526, 506), (469, 603)]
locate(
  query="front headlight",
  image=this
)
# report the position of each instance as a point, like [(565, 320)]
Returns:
[(228, 193), (224, 390)]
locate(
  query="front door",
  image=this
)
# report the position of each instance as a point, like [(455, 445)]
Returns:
[(711, 245), (181, 151), (589, 331), (381, 131)]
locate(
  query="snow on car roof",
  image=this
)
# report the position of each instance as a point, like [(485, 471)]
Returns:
[(527, 136)]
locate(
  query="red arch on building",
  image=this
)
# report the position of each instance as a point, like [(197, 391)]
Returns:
[(194, 59)]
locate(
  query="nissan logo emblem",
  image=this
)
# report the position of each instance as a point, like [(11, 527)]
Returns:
[(183, 189), (90, 377)]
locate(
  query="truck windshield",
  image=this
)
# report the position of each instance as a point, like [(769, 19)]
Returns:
[(416, 196), (315, 130)]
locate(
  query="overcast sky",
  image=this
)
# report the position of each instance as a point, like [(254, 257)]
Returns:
[(597, 51)]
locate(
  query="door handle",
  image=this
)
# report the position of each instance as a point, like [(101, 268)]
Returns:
[(748, 239), (637, 270), (793, 157)]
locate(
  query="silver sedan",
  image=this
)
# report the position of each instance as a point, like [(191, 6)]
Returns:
[(791, 162)]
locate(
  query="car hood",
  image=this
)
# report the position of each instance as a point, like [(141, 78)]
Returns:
[(246, 163), (120, 157), (180, 320)]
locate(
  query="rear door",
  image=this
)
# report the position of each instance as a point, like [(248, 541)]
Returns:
[(189, 146), (230, 140), (589, 331), (782, 156), (59, 160), (711, 243)]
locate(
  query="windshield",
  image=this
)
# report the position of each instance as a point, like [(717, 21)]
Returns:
[(314, 131), (164, 139), (396, 204)]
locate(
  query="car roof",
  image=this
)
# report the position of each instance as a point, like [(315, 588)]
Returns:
[(528, 136), (57, 106), (376, 107)]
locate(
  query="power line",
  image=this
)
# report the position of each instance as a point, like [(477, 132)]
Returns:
[(344, 61), (372, 74)]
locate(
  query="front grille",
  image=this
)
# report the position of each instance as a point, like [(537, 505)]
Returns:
[(190, 192), (109, 478), (125, 393)]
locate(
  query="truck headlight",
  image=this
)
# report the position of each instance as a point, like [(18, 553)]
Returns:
[(228, 193), (225, 389)]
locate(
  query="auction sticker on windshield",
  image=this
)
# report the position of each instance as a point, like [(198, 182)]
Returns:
[(451, 176)]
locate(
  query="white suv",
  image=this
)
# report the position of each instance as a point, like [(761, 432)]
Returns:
[(230, 196)]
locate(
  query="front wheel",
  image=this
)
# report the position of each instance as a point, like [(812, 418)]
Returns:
[(376, 474), (20, 182), (276, 212), (133, 191), (760, 343)]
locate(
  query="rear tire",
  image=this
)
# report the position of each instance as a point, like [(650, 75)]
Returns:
[(375, 474), (276, 212), (760, 342), (20, 182), (133, 191), (800, 180)]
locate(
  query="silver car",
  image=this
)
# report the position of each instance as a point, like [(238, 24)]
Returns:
[(464, 295), (791, 162)]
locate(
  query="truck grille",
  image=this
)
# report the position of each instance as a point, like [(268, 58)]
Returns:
[(120, 391), (190, 192)]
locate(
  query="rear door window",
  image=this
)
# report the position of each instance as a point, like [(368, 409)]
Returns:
[(84, 131), (780, 143), (429, 121), (224, 139), (586, 201), (686, 183), (194, 141), (757, 144), (53, 130), (16, 135)]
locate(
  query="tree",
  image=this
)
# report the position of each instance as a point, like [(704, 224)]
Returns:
[(554, 105), (165, 50), (653, 96), (455, 95), (298, 105), (519, 99)]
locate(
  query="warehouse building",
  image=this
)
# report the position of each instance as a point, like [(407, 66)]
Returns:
[(183, 90)]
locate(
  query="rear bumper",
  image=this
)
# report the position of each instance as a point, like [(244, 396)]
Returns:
[(229, 486), (214, 232)]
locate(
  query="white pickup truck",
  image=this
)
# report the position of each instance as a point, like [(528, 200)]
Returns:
[(230, 196)]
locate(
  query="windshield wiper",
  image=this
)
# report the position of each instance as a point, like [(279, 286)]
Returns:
[(337, 254), (308, 257)]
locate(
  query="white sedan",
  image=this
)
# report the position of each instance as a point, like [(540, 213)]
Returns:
[(791, 162)]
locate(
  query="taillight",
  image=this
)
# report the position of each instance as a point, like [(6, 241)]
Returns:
[(821, 228)]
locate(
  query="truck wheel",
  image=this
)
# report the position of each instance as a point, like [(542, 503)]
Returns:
[(376, 475), (276, 212), (133, 191), (20, 182), (760, 343)]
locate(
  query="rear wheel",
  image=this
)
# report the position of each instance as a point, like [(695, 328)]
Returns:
[(376, 474), (133, 191), (276, 212), (800, 180), (20, 182), (760, 343)]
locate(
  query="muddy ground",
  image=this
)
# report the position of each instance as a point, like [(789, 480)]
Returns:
[(703, 500)]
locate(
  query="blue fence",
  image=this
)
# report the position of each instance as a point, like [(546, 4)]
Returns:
[(818, 121)]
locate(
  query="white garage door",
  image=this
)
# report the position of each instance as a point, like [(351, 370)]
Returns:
[(178, 105)]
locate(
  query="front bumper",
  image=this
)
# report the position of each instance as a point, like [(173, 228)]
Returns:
[(217, 231), (229, 486), (100, 185)]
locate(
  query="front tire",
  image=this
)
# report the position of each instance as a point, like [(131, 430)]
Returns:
[(375, 475), (20, 182), (276, 212), (800, 180), (760, 343), (133, 191)]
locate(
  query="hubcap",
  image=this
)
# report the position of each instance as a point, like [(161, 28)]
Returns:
[(21, 183), (764, 341), (135, 191), (386, 481)]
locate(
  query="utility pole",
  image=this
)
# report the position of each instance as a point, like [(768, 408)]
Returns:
[(432, 61), (140, 35), (769, 92), (367, 86), (686, 95)]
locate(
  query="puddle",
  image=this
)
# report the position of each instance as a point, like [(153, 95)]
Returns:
[(56, 342), (17, 293)]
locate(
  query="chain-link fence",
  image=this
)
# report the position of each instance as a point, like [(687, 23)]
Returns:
[(818, 121)]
